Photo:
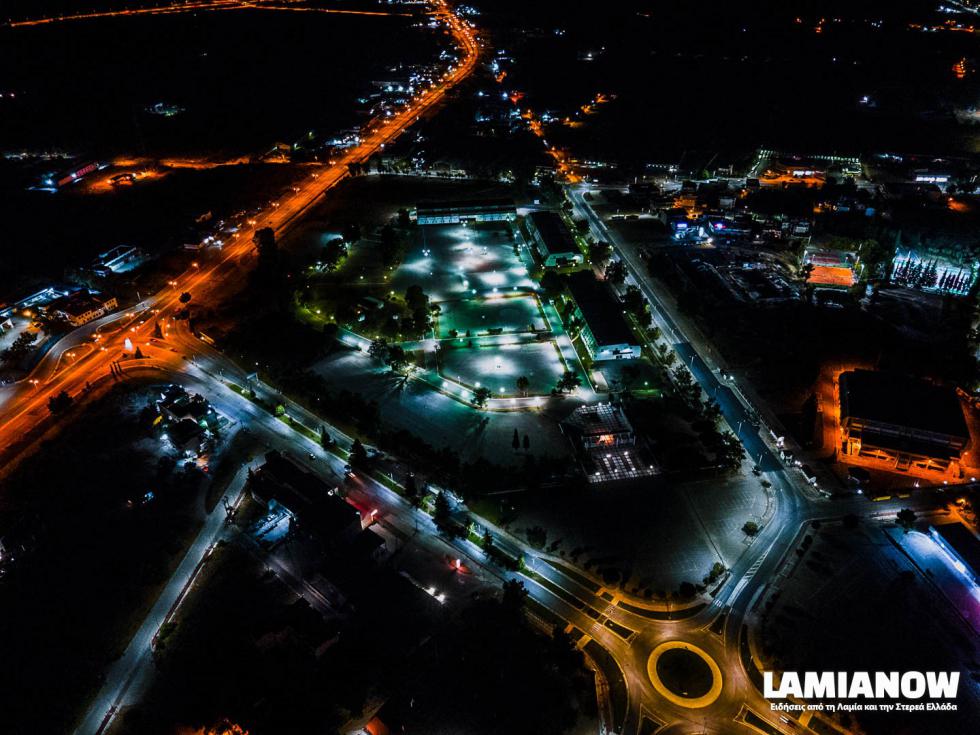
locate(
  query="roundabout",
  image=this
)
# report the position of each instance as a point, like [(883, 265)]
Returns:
[(684, 674)]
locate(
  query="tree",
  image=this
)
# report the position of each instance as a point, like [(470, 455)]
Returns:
[(157, 331), (751, 528), (333, 252), (185, 297), (397, 359), (480, 396), (717, 569), (325, 440), (527, 443), (420, 317), (264, 240), (358, 455), (404, 220), (522, 384), (390, 246), (19, 347), (730, 451), (442, 509), (599, 252), (633, 300), (906, 519), (53, 322), (138, 354), (666, 355), (514, 597), (551, 283), (487, 541), (379, 349), (516, 441), (711, 410), (412, 490), (60, 403), (569, 381), (616, 272), (415, 298)]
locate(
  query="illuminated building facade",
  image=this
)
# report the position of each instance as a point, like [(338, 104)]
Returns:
[(475, 210), (901, 424)]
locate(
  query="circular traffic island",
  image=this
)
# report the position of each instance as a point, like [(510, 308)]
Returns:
[(684, 674)]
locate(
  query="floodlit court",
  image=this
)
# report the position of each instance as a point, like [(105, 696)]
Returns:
[(498, 366), (481, 315), (453, 261)]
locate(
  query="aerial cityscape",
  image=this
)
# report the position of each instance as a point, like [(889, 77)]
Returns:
[(478, 367)]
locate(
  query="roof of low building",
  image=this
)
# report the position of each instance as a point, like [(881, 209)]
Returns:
[(601, 418), (601, 309), (305, 495), (558, 239), (901, 400), (184, 431), (465, 204), (76, 304)]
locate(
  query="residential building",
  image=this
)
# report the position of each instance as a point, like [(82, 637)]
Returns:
[(604, 331), (82, 306)]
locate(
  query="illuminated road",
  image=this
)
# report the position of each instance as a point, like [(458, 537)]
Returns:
[(189, 7), (25, 406)]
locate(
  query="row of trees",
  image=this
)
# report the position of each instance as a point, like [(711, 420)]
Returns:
[(19, 348)]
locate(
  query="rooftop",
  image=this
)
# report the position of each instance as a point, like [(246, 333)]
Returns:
[(76, 304), (900, 400), (304, 495), (555, 234), (430, 207), (601, 418), (601, 310)]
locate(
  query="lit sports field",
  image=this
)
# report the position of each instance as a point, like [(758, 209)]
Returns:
[(480, 315), (497, 366), (452, 261)]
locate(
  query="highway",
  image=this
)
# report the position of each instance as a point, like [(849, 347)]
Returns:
[(194, 6), (25, 403)]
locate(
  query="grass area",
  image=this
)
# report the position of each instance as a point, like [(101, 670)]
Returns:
[(684, 673), (487, 508)]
